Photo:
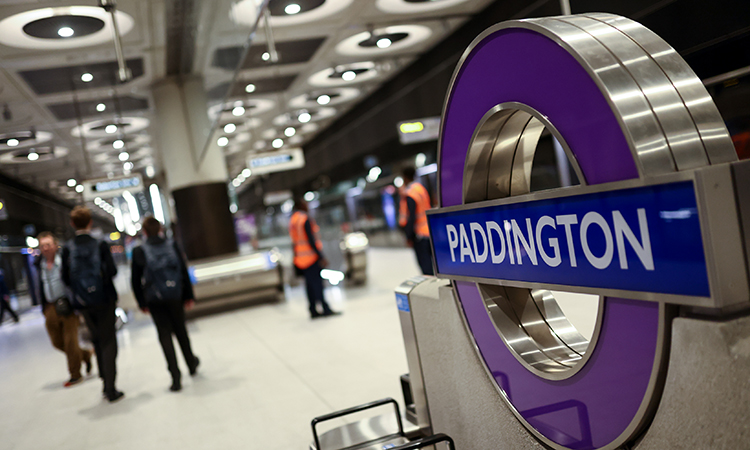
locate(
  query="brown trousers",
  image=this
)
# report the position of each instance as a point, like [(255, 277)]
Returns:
[(63, 332)]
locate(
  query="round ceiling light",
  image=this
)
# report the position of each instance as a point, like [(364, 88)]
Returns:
[(133, 141), (414, 6), (12, 142), (245, 12), (250, 88), (277, 143), (252, 106), (63, 27), (37, 154), (335, 96), (87, 77), (33, 155), (230, 128), (315, 115), (384, 40), (23, 139), (98, 128), (345, 74)]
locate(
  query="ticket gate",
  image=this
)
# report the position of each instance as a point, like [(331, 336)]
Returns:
[(658, 229)]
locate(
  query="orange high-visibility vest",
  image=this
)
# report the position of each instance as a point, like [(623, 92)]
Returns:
[(304, 254), (422, 199)]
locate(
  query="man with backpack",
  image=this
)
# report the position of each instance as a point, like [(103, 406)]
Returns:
[(161, 285), (88, 269)]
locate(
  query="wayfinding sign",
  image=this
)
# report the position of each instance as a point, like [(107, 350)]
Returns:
[(112, 187), (278, 161), (643, 239)]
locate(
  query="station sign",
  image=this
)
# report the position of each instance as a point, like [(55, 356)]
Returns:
[(419, 130), (111, 187), (277, 161)]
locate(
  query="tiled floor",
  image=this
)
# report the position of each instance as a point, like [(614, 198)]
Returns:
[(266, 372)]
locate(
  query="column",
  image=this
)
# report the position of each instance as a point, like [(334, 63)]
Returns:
[(198, 185)]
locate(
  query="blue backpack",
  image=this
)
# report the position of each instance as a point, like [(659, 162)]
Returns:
[(162, 279), (86, 280)]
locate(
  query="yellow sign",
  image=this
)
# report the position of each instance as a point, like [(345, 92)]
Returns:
[(411, 127), (114, 236), (2, 205)]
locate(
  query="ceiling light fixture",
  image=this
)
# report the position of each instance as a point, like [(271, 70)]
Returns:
[(250, 88), (324, 99), (223, 141), (246, 173), (290, 131), (72, 182), (124, 156), (118, 144), (230, 128), (128, 165), (383, 43), (12, 142), (101, 107), (87, 77), (292, 9), (79, 188), (277, 143), (304, 117), (238, 111), (150, 171), (65, 32), (110, 129), (33, 156), (265, 56), (349, 75)]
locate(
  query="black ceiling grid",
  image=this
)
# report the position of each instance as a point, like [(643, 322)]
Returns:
[(67, 111), (262, 86), (66, 79), (290, 52)]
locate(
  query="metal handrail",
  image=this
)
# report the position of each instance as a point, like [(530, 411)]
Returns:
[(430, 440), (356, 409)]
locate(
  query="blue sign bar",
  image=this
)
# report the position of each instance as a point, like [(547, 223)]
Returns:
[(645, 239)]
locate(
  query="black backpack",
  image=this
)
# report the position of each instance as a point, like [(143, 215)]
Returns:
[(86, 280), (162, 279)]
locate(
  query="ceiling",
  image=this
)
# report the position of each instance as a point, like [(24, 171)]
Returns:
[(46, 100)]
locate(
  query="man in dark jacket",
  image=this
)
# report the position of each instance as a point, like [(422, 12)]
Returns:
[(100, 317), (4, 296), (62, 328), (161, 285)]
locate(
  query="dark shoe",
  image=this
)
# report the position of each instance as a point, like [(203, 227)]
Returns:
[(330, 313), (194, 367), (115, 396), (73, 381), (176, 386), (16, 319), (316, 316)]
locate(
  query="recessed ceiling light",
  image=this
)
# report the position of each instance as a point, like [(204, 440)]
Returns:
[(101, 107), (124, 156), (324, 99), (277, 143), (290, 131), (86, 77), (383, 43), (33, 156), (223, 141), (79, 188), (12, 142), (110, 129), (246, 173), (238, 111), (304, 117), (71, 182), (150, 171), (250, 88), (128, 165), (230, 128), (65, 32), (265, 56), (292, 9), (348, 75), (118, 144)]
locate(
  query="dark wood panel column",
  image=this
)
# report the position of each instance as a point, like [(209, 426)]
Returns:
[(205, 223)]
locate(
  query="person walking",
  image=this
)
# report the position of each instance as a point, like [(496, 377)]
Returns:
[(415, 201), (60, 319), (162, 287), (308, 258), (4, 297), (88, 269)]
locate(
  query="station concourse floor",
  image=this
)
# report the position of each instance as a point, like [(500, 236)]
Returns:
[(265, 372)]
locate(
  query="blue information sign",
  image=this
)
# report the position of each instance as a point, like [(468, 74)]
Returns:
[(402, 303), (645, 239)]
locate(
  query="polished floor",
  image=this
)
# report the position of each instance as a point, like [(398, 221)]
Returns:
[(265, 372)]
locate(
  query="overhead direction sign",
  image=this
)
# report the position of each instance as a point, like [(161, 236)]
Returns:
[(111, 187), (419, 130), (277, 161)]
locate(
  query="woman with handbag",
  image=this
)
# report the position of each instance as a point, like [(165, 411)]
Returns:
[(60, 319)]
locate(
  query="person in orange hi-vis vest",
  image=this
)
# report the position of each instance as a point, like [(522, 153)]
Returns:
[(415, 201), (308, 258)]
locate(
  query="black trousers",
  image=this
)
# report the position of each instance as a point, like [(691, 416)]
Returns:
[(101, 324), (424, 255), (169, 318), (314, 286), (5, 305)]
